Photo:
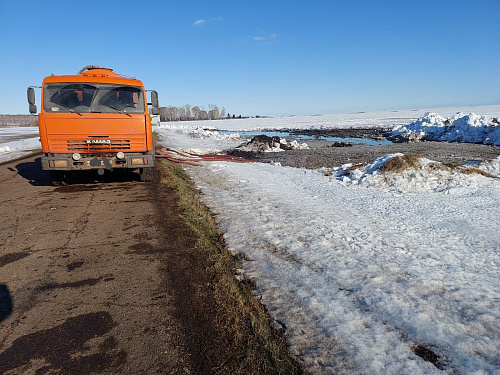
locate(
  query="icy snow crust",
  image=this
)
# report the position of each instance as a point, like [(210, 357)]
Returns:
[(361, 275), (359, 266)]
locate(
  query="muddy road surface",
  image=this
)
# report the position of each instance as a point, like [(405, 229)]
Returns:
[(81, 283)]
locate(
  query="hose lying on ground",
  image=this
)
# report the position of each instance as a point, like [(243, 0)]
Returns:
[(190, 159)]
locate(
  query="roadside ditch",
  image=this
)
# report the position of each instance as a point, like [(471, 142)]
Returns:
[(224, 327)]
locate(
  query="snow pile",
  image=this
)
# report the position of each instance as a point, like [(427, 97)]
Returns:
[(264, 143), (204, 133), (198, 140), (461, 127), (409, 173)]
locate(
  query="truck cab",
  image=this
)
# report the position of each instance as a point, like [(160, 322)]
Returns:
[(96, 119)]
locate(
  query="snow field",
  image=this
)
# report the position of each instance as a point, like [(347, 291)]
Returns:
[(385, 119), (375, 272), (359, 266)]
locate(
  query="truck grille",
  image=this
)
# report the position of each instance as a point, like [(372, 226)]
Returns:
[(100, 147)]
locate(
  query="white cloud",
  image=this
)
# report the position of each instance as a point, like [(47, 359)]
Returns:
[(202, 21), (265, 37)]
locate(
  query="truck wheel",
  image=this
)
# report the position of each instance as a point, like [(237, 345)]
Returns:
[(146, 174), (59, 178)]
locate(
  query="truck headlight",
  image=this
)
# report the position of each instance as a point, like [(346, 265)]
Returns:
[(120, 155), (76, 156)]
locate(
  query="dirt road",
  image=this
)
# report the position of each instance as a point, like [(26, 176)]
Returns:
[(81, 283)]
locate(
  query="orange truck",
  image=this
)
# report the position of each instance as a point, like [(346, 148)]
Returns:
[(96, 119)]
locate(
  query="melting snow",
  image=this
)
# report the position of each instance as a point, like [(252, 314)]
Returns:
[(361, 275)]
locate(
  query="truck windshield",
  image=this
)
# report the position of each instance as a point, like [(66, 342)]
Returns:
[(86, 97)]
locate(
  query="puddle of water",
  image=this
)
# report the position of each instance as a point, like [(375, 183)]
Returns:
[(304, 138)]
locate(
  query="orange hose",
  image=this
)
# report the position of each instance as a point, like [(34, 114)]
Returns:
[(189, 159), (183, 162)]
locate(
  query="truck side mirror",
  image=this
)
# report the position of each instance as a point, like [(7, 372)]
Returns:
[(154, 102), (31, 100), (154, 98)]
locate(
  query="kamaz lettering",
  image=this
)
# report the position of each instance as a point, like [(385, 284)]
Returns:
[(98, 140)]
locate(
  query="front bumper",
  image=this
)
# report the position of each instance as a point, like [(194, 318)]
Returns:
[(67, 162)]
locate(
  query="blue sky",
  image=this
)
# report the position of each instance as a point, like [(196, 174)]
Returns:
[(263, 57)]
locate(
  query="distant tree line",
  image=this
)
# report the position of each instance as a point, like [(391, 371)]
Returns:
[(19, 120), (190, 113)]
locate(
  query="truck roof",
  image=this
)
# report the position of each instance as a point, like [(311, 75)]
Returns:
[(95, 75)]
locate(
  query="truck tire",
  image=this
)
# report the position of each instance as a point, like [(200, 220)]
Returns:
[(146, 174)]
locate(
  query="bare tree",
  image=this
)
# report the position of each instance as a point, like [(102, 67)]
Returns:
[(181, 114), (163, 114), (21, 120), (213, 112), (187, 113), (196, 112), (203, 113)]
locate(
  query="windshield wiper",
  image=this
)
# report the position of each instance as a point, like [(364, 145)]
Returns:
[(116, 109), (68, 108)]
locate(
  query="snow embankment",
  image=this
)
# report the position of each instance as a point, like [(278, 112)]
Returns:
[(471, 128), (411, 173)]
